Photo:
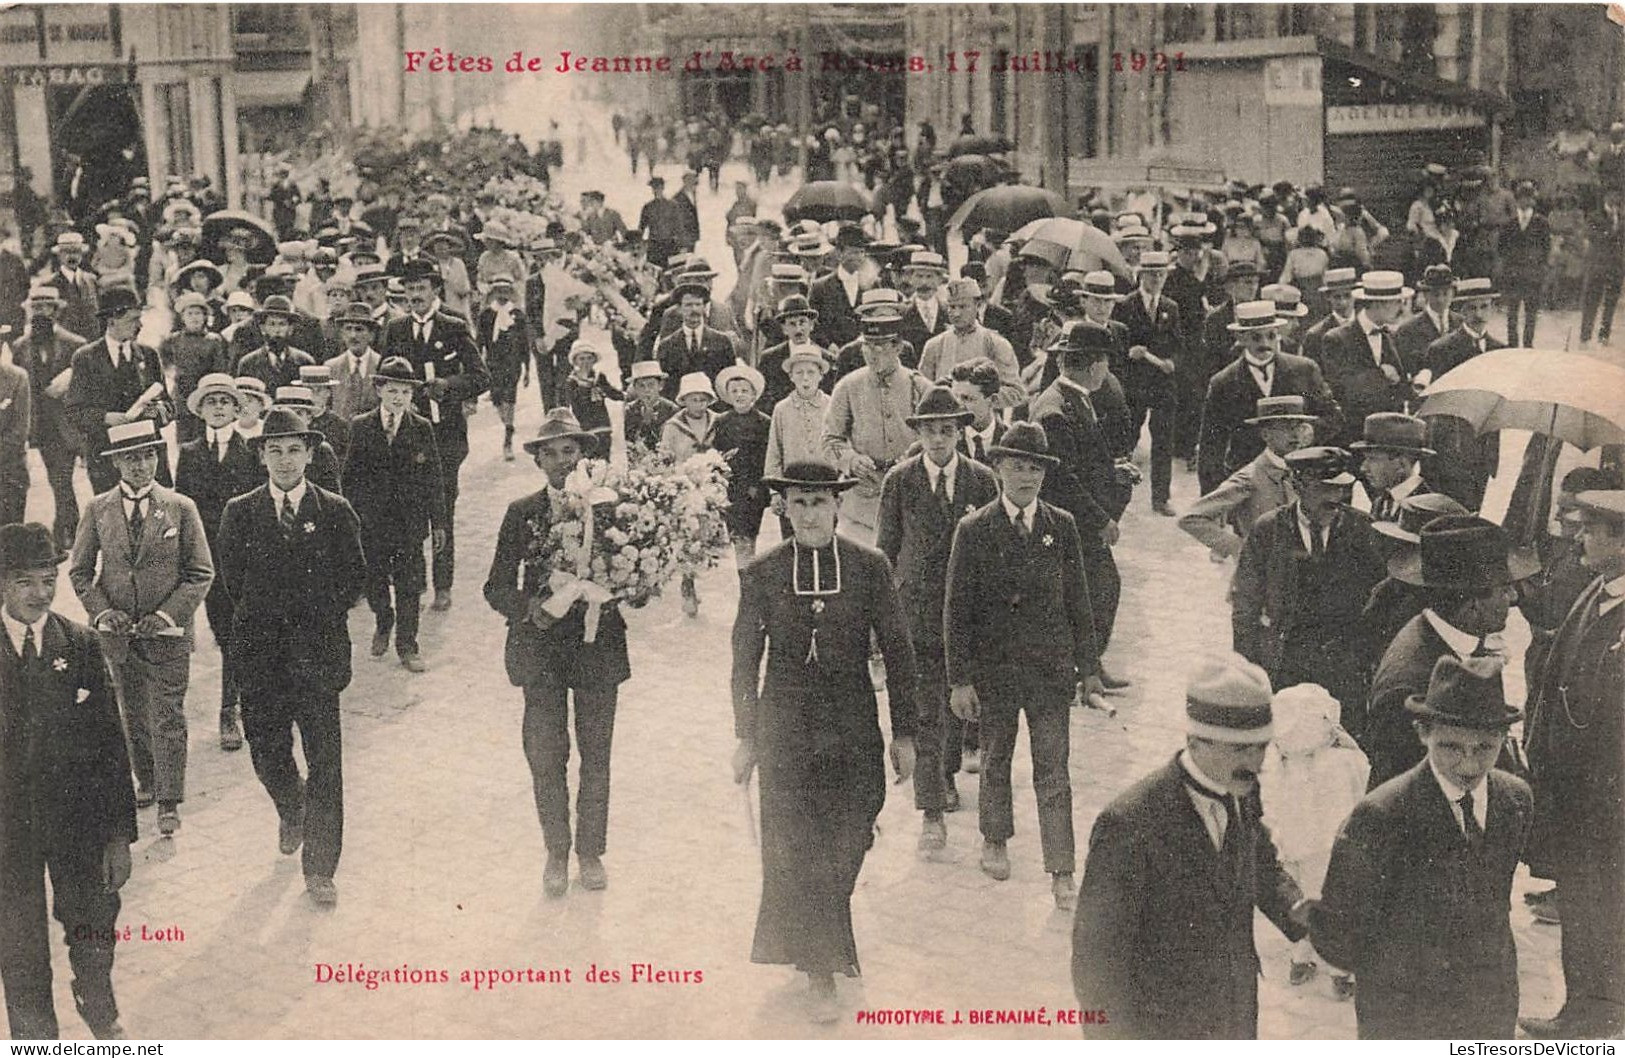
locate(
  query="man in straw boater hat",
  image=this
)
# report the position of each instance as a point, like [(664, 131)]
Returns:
[(394, 484), (1464, 463), (1229, 439), (1224, 515), (115, 381), (1020, 639), (1467, 572), (925, 317), (211, 469), (1162, 944), (809, 720), (1156, 340), (1302, 581), (141, 567), (45, 350), (76, 284), (1576, 754), (290, 554), (921, 500), (1416, 898), (275, 362), (562, 644), (66, 803), (1360, 359)]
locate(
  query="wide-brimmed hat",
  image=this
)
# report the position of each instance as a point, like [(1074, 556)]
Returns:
[(582, 349), (1471, 289), (1323, 463), (117, 299), (1255, 316), (1392, 431), (559, 424), (1465, 692), (190, 300), (420, 268), (1286, 408), (1382, 286), (1463, 552), (132, 436), (357, 312), (214, 382), (240, 299), (809, 474), (738, 371), (806, 354), (786, 272), (275, 305), (44, 292), (795, 305), (458, 243), (1101, 284), (926, 260), (69, 240), (1436, 277), (851, 237), (695, 382), (1081, 338), (698, 268), (647, 369), (316, 376), (1153, 261), (880, 303), (396, 369), (1416, 511), (1288, 300), (28, 546), (495, 232), (1340, 281), (299, 397), (1023, 440), (282, 423), (1227, 699), (938, 405), (687, 284), (250, 386)]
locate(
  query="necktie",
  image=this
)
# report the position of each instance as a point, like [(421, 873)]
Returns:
[(417, 331), (137, 519), (289, 515), (693, 345), (389, 425), (30, 648), (1223, 800), (978, 449), (1382, 507), (941, 490), (1469, 821), (1022, 529)]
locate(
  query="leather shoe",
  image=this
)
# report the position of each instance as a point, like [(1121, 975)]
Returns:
[(380, 644), (1111, 682), (971, 761), (111, 1031), (556, 876), (591, 873), (950, 795), (169, 821), (413, 663), (1547, 1028), (289, 836), (231, 736), (1064, 890), (995, 860), (143, 798), (322, 891), (442, 600), (933, 835), (1163, 509)]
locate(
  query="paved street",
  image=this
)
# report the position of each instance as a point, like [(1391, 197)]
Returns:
[(442, 862)]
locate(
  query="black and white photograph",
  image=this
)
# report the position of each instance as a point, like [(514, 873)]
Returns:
[(853, 521)]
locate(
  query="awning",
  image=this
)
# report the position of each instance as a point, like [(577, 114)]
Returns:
[(271, 88)]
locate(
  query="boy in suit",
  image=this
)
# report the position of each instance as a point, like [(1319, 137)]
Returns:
[(290, 554), (141, 567), (318, 378), (397, 492), (1020, 638)]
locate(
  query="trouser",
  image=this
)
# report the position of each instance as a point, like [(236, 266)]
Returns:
[(1328, 657), (152, 697), (1105, 586), (269, 716), (659, 251), (1161, 413), (941, 734), (1049, 741), (1188, 416), (546, 738), (1601, 292), (1525, 296), (445, 560), (1591, 899), (58, 461), (400, 568), (218, 605), (87, 913)]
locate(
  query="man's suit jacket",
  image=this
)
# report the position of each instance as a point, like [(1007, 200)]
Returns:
[(1419, 916), (44, 361), (79, 301), (1315, 336), (1360, 386), (291, 592), (353, 390), (96, 389), (1164, 335), (450, 348), (1524, 252), (715, 353), (61, 726), (559, 654), (1463, 462), (1240, 500), (998, 435), (916, 333), (837, 322), (916, 534), (396, 488), (1412, 338), (1000, 320), (336, 432), (1227, 442), (285, 372), (1017, 618), (167, 571), (16, 418), (1387, 734), (1085, 483), (1162, 939), (211, 482)]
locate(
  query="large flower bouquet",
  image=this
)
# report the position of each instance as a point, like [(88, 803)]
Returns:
[(627, 531)]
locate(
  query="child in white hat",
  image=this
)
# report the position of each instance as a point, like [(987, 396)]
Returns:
[(691, 430)]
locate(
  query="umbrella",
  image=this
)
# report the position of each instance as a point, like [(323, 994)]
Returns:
[(1007, 208), (974, 171), (261, 236), (1569, 396), (826, 200), (1087, 247), (979, 145)]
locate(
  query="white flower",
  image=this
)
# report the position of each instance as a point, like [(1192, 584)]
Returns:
[(59, 664)]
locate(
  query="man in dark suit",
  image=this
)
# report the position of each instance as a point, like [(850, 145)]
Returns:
[(926, 316), (1466, 573), (276, 363), (1605, 267), (922, 498), (995, 318), (1416, 898), (1360, 360), (81, 302), (114, 381), (1156, 340), (442, 353), (290, 553), (1213, 348), (318, 378), (1020, 638), (551, 654), (16, 401), (976, 385), (666, 317), (693, 346), (689, 209), (1462, 464), (1338, 289), (45, 350), (835, 297), (1162, 944), (1432, 321), (212, 469), (1302, 581), (1229, 441), (394, 483), (66, 803), (1526, 244), (1576, 745)]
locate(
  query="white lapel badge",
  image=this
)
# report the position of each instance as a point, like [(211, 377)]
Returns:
[(4, 404), (310, 527), (84, 695), (59, 664), (1049, 541)]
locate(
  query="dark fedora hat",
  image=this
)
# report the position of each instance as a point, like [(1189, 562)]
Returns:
[(27, 546), (1436, 277), (117, 299), (1465, 693), (560, 423), (396, 369), (1392, 431), (1322, 463), (810, 474), (851, 237), (420, 268), (1023, 440), (275, 305), (1081, 339), (281, 423), (1462, 552), (939, 404), (1416, 511), (795, 305), (357, 312)]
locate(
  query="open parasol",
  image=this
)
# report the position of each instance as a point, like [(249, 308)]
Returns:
[(260, 235), (826, 200), (1572, 397), (1086, 246), (1007, 208), (974, 144)]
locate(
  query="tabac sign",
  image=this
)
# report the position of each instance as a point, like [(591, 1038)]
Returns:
[(1401, 117)]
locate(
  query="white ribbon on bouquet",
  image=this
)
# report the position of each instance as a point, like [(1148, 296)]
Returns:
[(567, 588)]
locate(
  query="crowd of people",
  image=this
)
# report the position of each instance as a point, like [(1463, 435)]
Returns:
[(948, 458)]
